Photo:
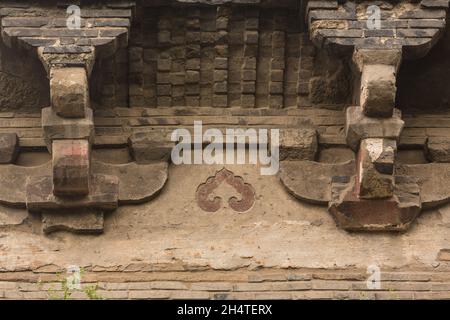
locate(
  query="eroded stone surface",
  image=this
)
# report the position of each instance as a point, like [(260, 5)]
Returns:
[(387, 57)]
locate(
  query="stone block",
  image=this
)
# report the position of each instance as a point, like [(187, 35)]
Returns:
[(71, 167), (298, 177), (358, 126), (378, 90), (69, 91), (438, 149), (192, 76), (371, 183), (104, 194), (298, 144), (9, 147)]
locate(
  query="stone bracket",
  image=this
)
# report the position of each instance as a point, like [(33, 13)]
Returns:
[(416, 187), (343, 25), (9, 147)]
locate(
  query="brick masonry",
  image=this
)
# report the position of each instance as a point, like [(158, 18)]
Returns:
[(219, 56)]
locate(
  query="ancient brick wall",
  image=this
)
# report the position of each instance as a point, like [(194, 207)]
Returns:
[(220, 56)]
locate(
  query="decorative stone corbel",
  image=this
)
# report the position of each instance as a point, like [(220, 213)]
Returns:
[(74, 191), (370, 193)]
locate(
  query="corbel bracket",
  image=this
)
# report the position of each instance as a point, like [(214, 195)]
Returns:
[(73, 183)]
